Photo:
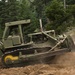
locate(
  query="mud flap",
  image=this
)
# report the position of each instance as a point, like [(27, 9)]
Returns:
[(70, 43)]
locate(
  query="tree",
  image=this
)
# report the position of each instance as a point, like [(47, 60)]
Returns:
[(70, 2), (2, 16), (24, 10), (8, 12), (72, 9), (12, 10), (55, 10), (57, 16)]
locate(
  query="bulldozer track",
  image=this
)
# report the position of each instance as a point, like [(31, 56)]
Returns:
[(37, 56), (17, 51)]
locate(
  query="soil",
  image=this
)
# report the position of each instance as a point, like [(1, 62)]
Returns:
[(60, 65)]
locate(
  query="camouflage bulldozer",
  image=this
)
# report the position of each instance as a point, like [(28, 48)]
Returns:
[(17, 48)]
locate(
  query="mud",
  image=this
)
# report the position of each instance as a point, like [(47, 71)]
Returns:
[(60, 65)]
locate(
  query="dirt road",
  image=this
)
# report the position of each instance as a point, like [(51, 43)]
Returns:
[(61, 65)]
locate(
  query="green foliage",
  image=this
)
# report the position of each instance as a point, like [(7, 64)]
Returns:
[(34, 24), (55, 10), (70, 1), (24, 10), (39, 7), (8, 11), (12, 10), (58, 16), (72, 9), (2, 16)]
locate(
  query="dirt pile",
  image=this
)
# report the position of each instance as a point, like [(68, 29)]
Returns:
[(62, 65), (41, 69), (67, 59)]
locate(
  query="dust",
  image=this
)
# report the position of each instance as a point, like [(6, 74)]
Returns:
[(67, 59)]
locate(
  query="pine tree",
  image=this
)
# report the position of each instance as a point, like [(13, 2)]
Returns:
[(8, 12), (24, 9), (12, 10), (2, 16)]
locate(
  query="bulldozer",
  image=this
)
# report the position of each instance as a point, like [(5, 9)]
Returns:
[(17, 48)]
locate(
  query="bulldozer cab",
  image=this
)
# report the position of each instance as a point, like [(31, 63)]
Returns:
[(13, 33)]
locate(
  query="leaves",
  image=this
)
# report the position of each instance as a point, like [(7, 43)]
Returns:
[(58, 16), (46, 9)]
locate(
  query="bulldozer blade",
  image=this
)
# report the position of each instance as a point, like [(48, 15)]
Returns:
[(70, 43)]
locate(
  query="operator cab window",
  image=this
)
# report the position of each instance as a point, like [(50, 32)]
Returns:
[(26, 31), (13, 30)]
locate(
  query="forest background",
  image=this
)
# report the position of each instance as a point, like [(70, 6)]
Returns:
[(53, 13)]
